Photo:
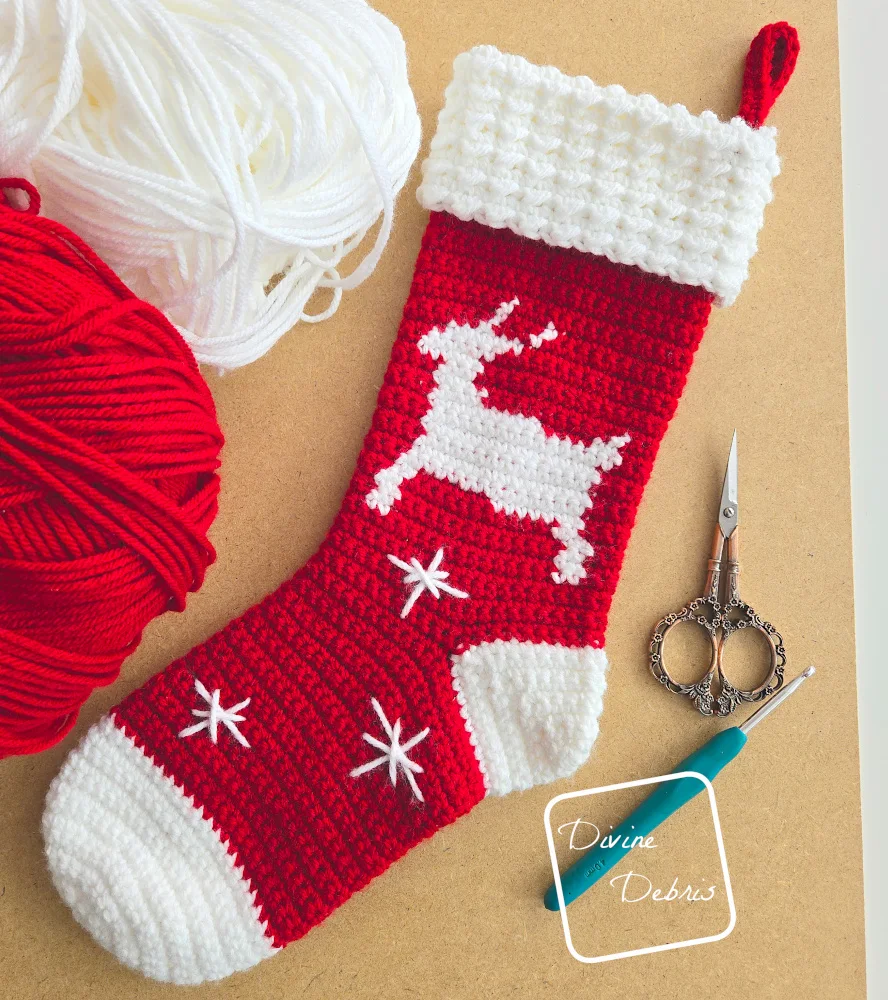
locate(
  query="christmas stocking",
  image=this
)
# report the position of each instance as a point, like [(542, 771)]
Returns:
[(447, 641)]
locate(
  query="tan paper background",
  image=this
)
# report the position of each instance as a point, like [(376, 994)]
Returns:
[(461, 916)]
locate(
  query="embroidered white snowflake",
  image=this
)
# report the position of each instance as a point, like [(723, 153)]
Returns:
[(215, 714), (394, 753), (423, 579)]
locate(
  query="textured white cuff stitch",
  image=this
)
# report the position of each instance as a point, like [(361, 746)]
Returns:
[(560, 159)]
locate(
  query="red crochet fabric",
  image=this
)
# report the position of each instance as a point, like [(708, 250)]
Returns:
[(769, 65), (108, 449), (447, 639), (313, 654)]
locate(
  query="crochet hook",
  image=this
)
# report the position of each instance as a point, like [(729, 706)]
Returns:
[(668, 798)]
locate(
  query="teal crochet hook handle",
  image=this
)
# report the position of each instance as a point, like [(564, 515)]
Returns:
[(666, 799)]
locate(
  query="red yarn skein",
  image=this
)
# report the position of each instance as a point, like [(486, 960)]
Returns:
[(108, 449)]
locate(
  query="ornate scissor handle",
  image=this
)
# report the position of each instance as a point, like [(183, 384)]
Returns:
[(720, 624)]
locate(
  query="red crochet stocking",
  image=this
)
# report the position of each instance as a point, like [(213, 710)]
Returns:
[(447, 641)]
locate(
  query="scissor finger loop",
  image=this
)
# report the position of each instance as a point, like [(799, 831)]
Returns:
[(731, 696), (699, 691)]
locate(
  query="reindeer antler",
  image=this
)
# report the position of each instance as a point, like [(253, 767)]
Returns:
[(504, 311)]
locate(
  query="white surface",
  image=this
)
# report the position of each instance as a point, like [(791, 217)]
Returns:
[(863, 30)]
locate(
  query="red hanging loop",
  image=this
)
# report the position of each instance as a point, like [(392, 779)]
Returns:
[(26, 187), (769, 65)]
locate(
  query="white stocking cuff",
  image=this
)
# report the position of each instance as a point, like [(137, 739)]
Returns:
[(560, 159)]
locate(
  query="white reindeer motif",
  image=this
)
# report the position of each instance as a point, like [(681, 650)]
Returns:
[(506, 456)]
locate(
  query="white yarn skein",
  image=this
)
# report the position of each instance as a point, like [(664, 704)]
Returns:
[(224, 156)]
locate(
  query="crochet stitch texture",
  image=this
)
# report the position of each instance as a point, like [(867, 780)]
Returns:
[(560, 159), (447, 640)]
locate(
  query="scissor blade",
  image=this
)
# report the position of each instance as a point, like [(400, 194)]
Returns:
[(729, 513)]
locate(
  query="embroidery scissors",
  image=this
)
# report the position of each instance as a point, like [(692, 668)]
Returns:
[(722, 613)]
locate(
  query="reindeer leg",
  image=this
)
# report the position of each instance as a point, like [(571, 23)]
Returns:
[(569, 561), (388, 481)]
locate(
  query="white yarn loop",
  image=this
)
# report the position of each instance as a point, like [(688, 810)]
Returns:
[(225, 157)]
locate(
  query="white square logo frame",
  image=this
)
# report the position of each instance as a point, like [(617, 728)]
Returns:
[(590, 960)]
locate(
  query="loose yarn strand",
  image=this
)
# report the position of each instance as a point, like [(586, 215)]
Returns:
[(23, 140), (225, 157)]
